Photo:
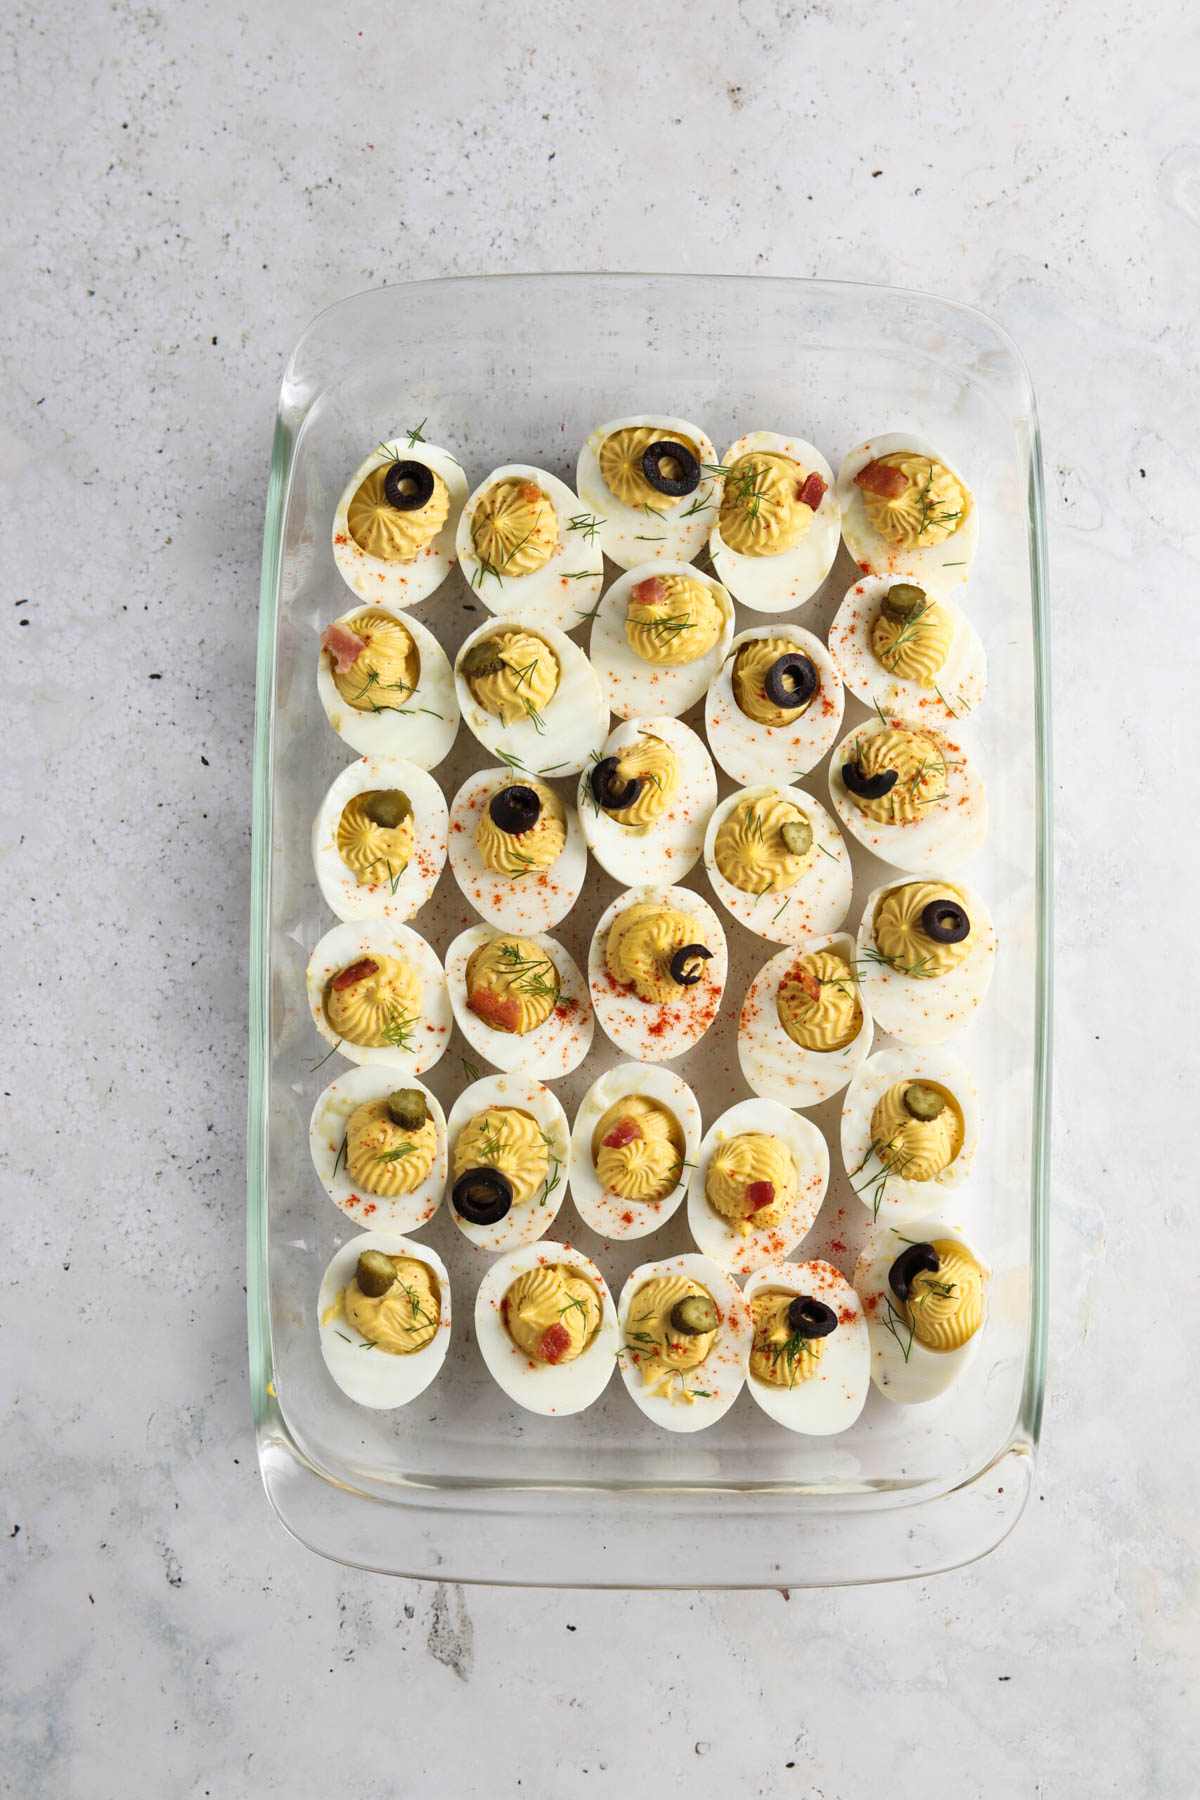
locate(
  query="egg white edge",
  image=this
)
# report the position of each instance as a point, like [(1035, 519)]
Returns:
[(425, 1364), (553, 1048), (599, 1209), (499, 1351), (606, 1006), (900, 1200), (487, 891), (769, 914), (824, 535), (609, 648), (731, 735), (763, 989), (340, 891), (388, 579), (354, 938), (727, 1376), (521, 1224), (331, 1115), (404, 732), (846, 1358), (724, 1243), (617, 852)]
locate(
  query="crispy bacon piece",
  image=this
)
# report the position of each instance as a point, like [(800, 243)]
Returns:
[(651, 592), (343, 646), (531, 493), (625, 1131), (356, 972), (555, 1344), (809, 982), (880, 478), (759, 1194), (812, 491), (502, 1012)]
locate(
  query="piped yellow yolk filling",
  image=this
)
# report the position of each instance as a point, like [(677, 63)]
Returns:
[(671, 620), (657, 764), (946, 1306), (508, 1139), (761, 512), (380, 1007), (386, 531), (403, 1320), (512, 984), (779, 1354), (514, 529), (641, 942), (373, 853), (620, 460), (916, 1149), (817, 1002), (750, 851), (523, 680), (663, 1355), (931, 508), (740, 1172), (386, 1158), (552, 1313), (384, 674), (523, 853), (900, 935), (750, 667), (647, 1167), (921, 773), (916, 648)]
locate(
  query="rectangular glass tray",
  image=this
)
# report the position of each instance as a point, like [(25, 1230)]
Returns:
[(461, 1485)]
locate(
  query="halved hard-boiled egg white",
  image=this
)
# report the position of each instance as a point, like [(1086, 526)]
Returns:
[(777, 533), (775, 706), (650, 487), (908, 649), (758, 1184), (659, 636), (685, 1335), (926, 952), (546, 1327), (910, 1129), (379, 839), (924, 1297), (383, 1312), (906, 511), (810, 1363), (777, 863), (520, 1000), (387, 686), (805, 1026), (531, 697), (510, 1157), (377, 993), (636, 1134), (517, 850), (656, 970), (909, 793), (645, 801), (526, 550), (395, 524), (379, 1149)]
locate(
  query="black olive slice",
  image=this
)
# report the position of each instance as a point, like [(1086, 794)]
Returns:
[(868, 787), (687, 965), (610, 790), (482, 1196), (921, 1102), (694, 1315), (375, 1274), (407, 1109), (515, 809), (791, 680), (916, 1260), (945, 922), (408, 486), (902, 600), (484, 658), (811, 1318), (656, 461), (387, 807)]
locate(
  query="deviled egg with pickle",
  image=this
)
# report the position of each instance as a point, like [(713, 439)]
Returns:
[(530, 696), (395, 524), (379, 839), (924, 1296), (659, 636), (516, 849), (520, 1000), (805, 1026), (656, 971), (645, 799), (908, 649), (650, 488), (379, 1149), (926, 952), (910, 1130), (685, 1336), (758, 1185), (377, 993), (775, 706), (909, 793), (387, 687), (510, 1157), (810, 1362), (546, 1327), (777, 863), (635, 1137), (777, 533), (383, 1312), (523, 550), (907, 511)]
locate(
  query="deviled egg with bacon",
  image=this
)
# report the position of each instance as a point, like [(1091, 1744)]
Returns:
[(656, 970), (805, 1026), (777, 863), (379, 839), (383, 1311), (685, 1336), (510, 1156), (906, 511), (908, 649), (520, 1000), (516, 849), (525, 551), (775, 706), (909, 793), (380, 1149), (645, 800), (910, 1130), (636, 1134), (530, 696), (758, 1184), (924, 1297), (377, 993), (546, 1327), (926, 952), (387, 686), (810, 1362), (650, 488), (777, 533), (395, 524), (659, 636)]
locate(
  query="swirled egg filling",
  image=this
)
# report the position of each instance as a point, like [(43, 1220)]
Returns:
[(551, 1312), (386, 670), (945, 1306), (916, 1148), (514, 529), (373, 1002), (512, 984), (920, 767), (386, 1158), (761, 511), (656, 763), (751, 1181), (372, 851), (641, 943), (402, 1320), (671, 620), (929, 508), (521, 853), (662, 1354), (914, 648), (513, 674), (392, 533), (900, 934), (817, 1002), (751, 665), (637, 1149), (509, 1139), (750, 849), (780, 1354), (620, 460)]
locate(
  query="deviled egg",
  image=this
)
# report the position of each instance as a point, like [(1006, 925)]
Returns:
[(377, 993), (656, 971), (520, 1000), (775, 706), (510, 1155), (907, 511), (910, 1129), (516, 849), (758, 1185), (651, 488), (384, 1317), (636, 1134), (805, 1026), (525, 548), (810, 1363), (777, 863), (777, 533), (379, 1149), (379, 839), (659, 636), (547, 1328), (925, 1302), (395, 524), (926, 952), (685, 1335), (908, 649), (909, 793), (387, 687), (645, 800), (529, 694)]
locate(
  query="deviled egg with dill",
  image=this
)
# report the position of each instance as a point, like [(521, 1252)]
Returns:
[(530, 696), (645, 799), (805, 1026), (383, 1311), (525, 551), (775, 705), (546, 1327), (377, 993), (510, 1158), (659, 636), (635, 1137), (907, 513), (909, 793), (395, 525), (651, 487), (685, 1337), (657, 970), (520, 1000), (777, 532), (924, 1296), (910, 1130), (909, 649), (758, 1184), (777, 863), (387, 687), (926, 952), (810, 1362), (379, 839), (517, 850), (379, 1149)]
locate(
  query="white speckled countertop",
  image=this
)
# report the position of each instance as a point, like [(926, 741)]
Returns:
[(191, 184)]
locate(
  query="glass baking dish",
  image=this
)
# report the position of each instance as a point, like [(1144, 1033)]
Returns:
[(461, 1485)]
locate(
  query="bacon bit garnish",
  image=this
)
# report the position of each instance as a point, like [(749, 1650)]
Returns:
[(531, 493), (810, 983), (354, 974), (880, 478), (504, 1013), (651, 592), (760, 1194), (625, 1131), (555, 1344), (343, 646), (812, 492)]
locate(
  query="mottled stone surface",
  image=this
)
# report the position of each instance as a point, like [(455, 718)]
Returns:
[(187, 186)]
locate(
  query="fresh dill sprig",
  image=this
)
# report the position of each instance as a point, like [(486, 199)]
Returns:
[(918, 970), (415, 435), (320, 1065), (340, 1158), (391, 1156), (588, 523), (397, 1030), (469, 1069)]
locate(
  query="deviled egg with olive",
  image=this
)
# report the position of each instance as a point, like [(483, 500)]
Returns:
[(805, 1025), (775, 706), (516, 849), (777, 863), (907, 511), (546, 1327), (525, 551), (379, 839), (926, 952), (530, 696), (810, 1362), (908, 649), (685, 1336), (757, 1186), (377, 993), (380, 1149), (776, 535), (659, 636), (924, 1298), (387, 687), (510, 1157), (909, 793), (384, 1317), (636, 1134), (910, 1130), (650, 488), (394, 527), (645, 800), (520, 1000), (656, 971)]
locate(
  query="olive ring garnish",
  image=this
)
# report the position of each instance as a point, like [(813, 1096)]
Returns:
[(408, 486), (609, 790), (945, 921), (515, 809), (687, 965), (674, 486), (482, 1196), (916, 1260), (811, 1318), (791, 680), (868, 787)]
